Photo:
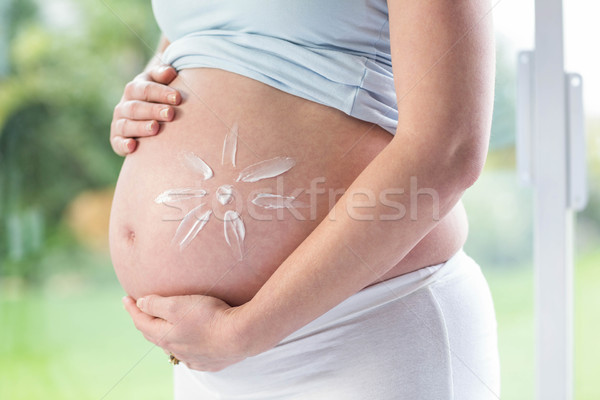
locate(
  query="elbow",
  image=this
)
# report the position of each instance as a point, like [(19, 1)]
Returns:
[(453, 163), (468, 159), (458, 161)]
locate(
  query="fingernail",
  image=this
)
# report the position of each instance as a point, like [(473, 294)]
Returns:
[(163, 69), (140, 303), (130, 145), (172, 98), (150, 125), (164, 113)]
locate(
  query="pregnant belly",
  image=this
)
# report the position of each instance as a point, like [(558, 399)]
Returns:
[(222, 195)]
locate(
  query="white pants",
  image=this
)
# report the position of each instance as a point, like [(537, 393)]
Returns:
[(429, 334)]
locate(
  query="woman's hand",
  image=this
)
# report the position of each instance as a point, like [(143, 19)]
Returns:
[(201, 331), (146, 101)]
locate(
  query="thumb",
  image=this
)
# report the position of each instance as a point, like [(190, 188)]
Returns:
[(163, 74), (162, 307)]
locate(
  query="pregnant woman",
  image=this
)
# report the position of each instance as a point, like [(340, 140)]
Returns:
[(287, 222)]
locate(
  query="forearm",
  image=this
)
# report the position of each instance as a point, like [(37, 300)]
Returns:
[(445, 98), (353, 246)]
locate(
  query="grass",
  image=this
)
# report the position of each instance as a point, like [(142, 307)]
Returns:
[(77, 346), (513, 300), (72, 339)]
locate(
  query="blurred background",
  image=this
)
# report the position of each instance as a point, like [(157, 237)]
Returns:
[(63, 331)]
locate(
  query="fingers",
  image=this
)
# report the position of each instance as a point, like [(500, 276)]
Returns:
[(146, 101), (129, 128), (134, 119), (153, 329), (123, 146), (140, 89), (163, 74), (167, 308), (139, 110)]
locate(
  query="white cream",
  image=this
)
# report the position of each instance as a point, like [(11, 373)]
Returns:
[(273, 201), (225, 194), (235, 232), (266, 169), (198, 165), (233, 226), (175, 195), (190, 226), (230, 146)]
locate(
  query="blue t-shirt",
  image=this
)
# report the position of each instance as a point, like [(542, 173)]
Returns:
[(333, 52)]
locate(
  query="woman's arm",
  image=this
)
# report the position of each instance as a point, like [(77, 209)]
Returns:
[(443, 58), (443, 62), (146, 101)]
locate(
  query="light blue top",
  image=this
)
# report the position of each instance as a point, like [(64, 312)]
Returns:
[(333, 52)]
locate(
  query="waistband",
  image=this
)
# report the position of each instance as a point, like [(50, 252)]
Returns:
[(460, 264)]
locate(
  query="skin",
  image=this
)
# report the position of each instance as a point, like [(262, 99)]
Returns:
[(146, 102), (145, 258), (445, 96)]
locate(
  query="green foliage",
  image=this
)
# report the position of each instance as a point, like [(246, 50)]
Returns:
[(18, 13), (500, 220), (67, 71)]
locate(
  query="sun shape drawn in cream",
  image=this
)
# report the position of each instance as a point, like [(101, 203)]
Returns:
[(233, 225)]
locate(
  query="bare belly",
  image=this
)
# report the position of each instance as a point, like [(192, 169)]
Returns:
[(157, 246)]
